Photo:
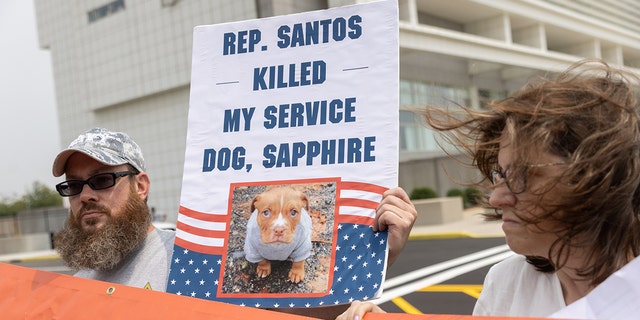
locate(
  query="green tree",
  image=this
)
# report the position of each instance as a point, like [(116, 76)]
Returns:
[(39, 196)]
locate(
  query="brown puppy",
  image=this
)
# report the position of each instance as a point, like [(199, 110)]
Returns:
[(279, 229)]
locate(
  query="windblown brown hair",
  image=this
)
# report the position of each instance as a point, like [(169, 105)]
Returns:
[(587, 115)]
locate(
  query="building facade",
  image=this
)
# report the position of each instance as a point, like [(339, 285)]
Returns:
[(125, 65)]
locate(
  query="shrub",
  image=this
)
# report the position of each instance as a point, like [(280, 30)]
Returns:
[(423, 193), (455, 193), (472, 197)]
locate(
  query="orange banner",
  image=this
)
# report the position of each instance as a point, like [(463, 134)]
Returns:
[(32, 294)]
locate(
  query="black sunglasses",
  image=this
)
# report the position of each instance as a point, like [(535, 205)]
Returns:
[(98, 182)]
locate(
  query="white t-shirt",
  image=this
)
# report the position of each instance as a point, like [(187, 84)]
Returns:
[(515, 288), (147, 268)]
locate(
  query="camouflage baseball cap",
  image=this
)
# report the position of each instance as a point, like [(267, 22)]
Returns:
[(108, 147)]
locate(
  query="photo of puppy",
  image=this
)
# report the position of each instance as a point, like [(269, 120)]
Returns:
[(279, 229)]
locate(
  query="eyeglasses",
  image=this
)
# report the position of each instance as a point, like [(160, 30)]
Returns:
[(516, 181), (98, 182)]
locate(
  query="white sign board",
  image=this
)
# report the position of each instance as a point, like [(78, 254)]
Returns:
[(292, 139)]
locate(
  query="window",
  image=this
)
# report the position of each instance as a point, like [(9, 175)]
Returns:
[(414, 136), (106, 10)]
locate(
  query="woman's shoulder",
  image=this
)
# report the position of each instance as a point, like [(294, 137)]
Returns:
[(510, 263)]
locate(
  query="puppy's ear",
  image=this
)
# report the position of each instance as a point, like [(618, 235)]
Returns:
[(305, 200), (253, 203)]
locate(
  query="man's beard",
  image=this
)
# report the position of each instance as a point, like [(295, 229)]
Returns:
[(104, 248)]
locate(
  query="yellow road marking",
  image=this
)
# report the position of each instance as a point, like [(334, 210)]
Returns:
[(405, 306), (470, 289)]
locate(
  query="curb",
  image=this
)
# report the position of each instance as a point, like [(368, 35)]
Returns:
[(451, 235)]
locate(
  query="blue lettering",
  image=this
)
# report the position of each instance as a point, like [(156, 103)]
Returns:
[(339, 29), (271, 120), (354, 25), (319, 31), (333, 151), (281, 76)]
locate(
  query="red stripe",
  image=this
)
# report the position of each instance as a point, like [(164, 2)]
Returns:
[(362, 203), (201, 232), (198, 247), (350, 185), (203, 216), (347, 218)]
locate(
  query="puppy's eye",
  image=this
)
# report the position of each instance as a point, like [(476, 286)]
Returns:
[(293, 212), (266, 213)]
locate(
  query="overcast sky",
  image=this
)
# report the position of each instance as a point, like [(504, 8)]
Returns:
[(28, 117)]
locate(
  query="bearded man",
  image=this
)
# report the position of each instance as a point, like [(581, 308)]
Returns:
[(108, 235)]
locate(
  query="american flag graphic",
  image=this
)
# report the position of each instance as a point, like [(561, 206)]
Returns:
[(358, 255)]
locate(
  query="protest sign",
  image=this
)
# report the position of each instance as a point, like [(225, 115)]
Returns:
[(299, 112)]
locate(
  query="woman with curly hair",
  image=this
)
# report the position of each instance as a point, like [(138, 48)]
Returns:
[(560, 161)]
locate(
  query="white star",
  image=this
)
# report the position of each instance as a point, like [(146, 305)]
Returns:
[(257, 305), (191, 262), (197, 270), (346, 237), (173, 281), (337, 302), (355, 226), (361, 235), (243, 305), (204, 261), (369, 275), (179, 293), (339, 226), (365, 264), (321, 303), (373, 255), (276, 305), (215, 283), (336, 268), (193, 294), (219, 261), (337, 248), (330, 291), (186, 251), (376, 234), (211, 270), (351, 300), (291, 305), (182, 270), (353, 247), (344, 259), (207, 294), (379, 261), (368, 245), (360, 288), (188, 282), (339, 279), (307, 305), (381, 241), (375, 286), (176, 260), (359, 257), (365, 298), (354, 278), (346, 290), (202, 282)]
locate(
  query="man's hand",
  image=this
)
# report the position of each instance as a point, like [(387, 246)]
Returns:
[(397, 214)]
